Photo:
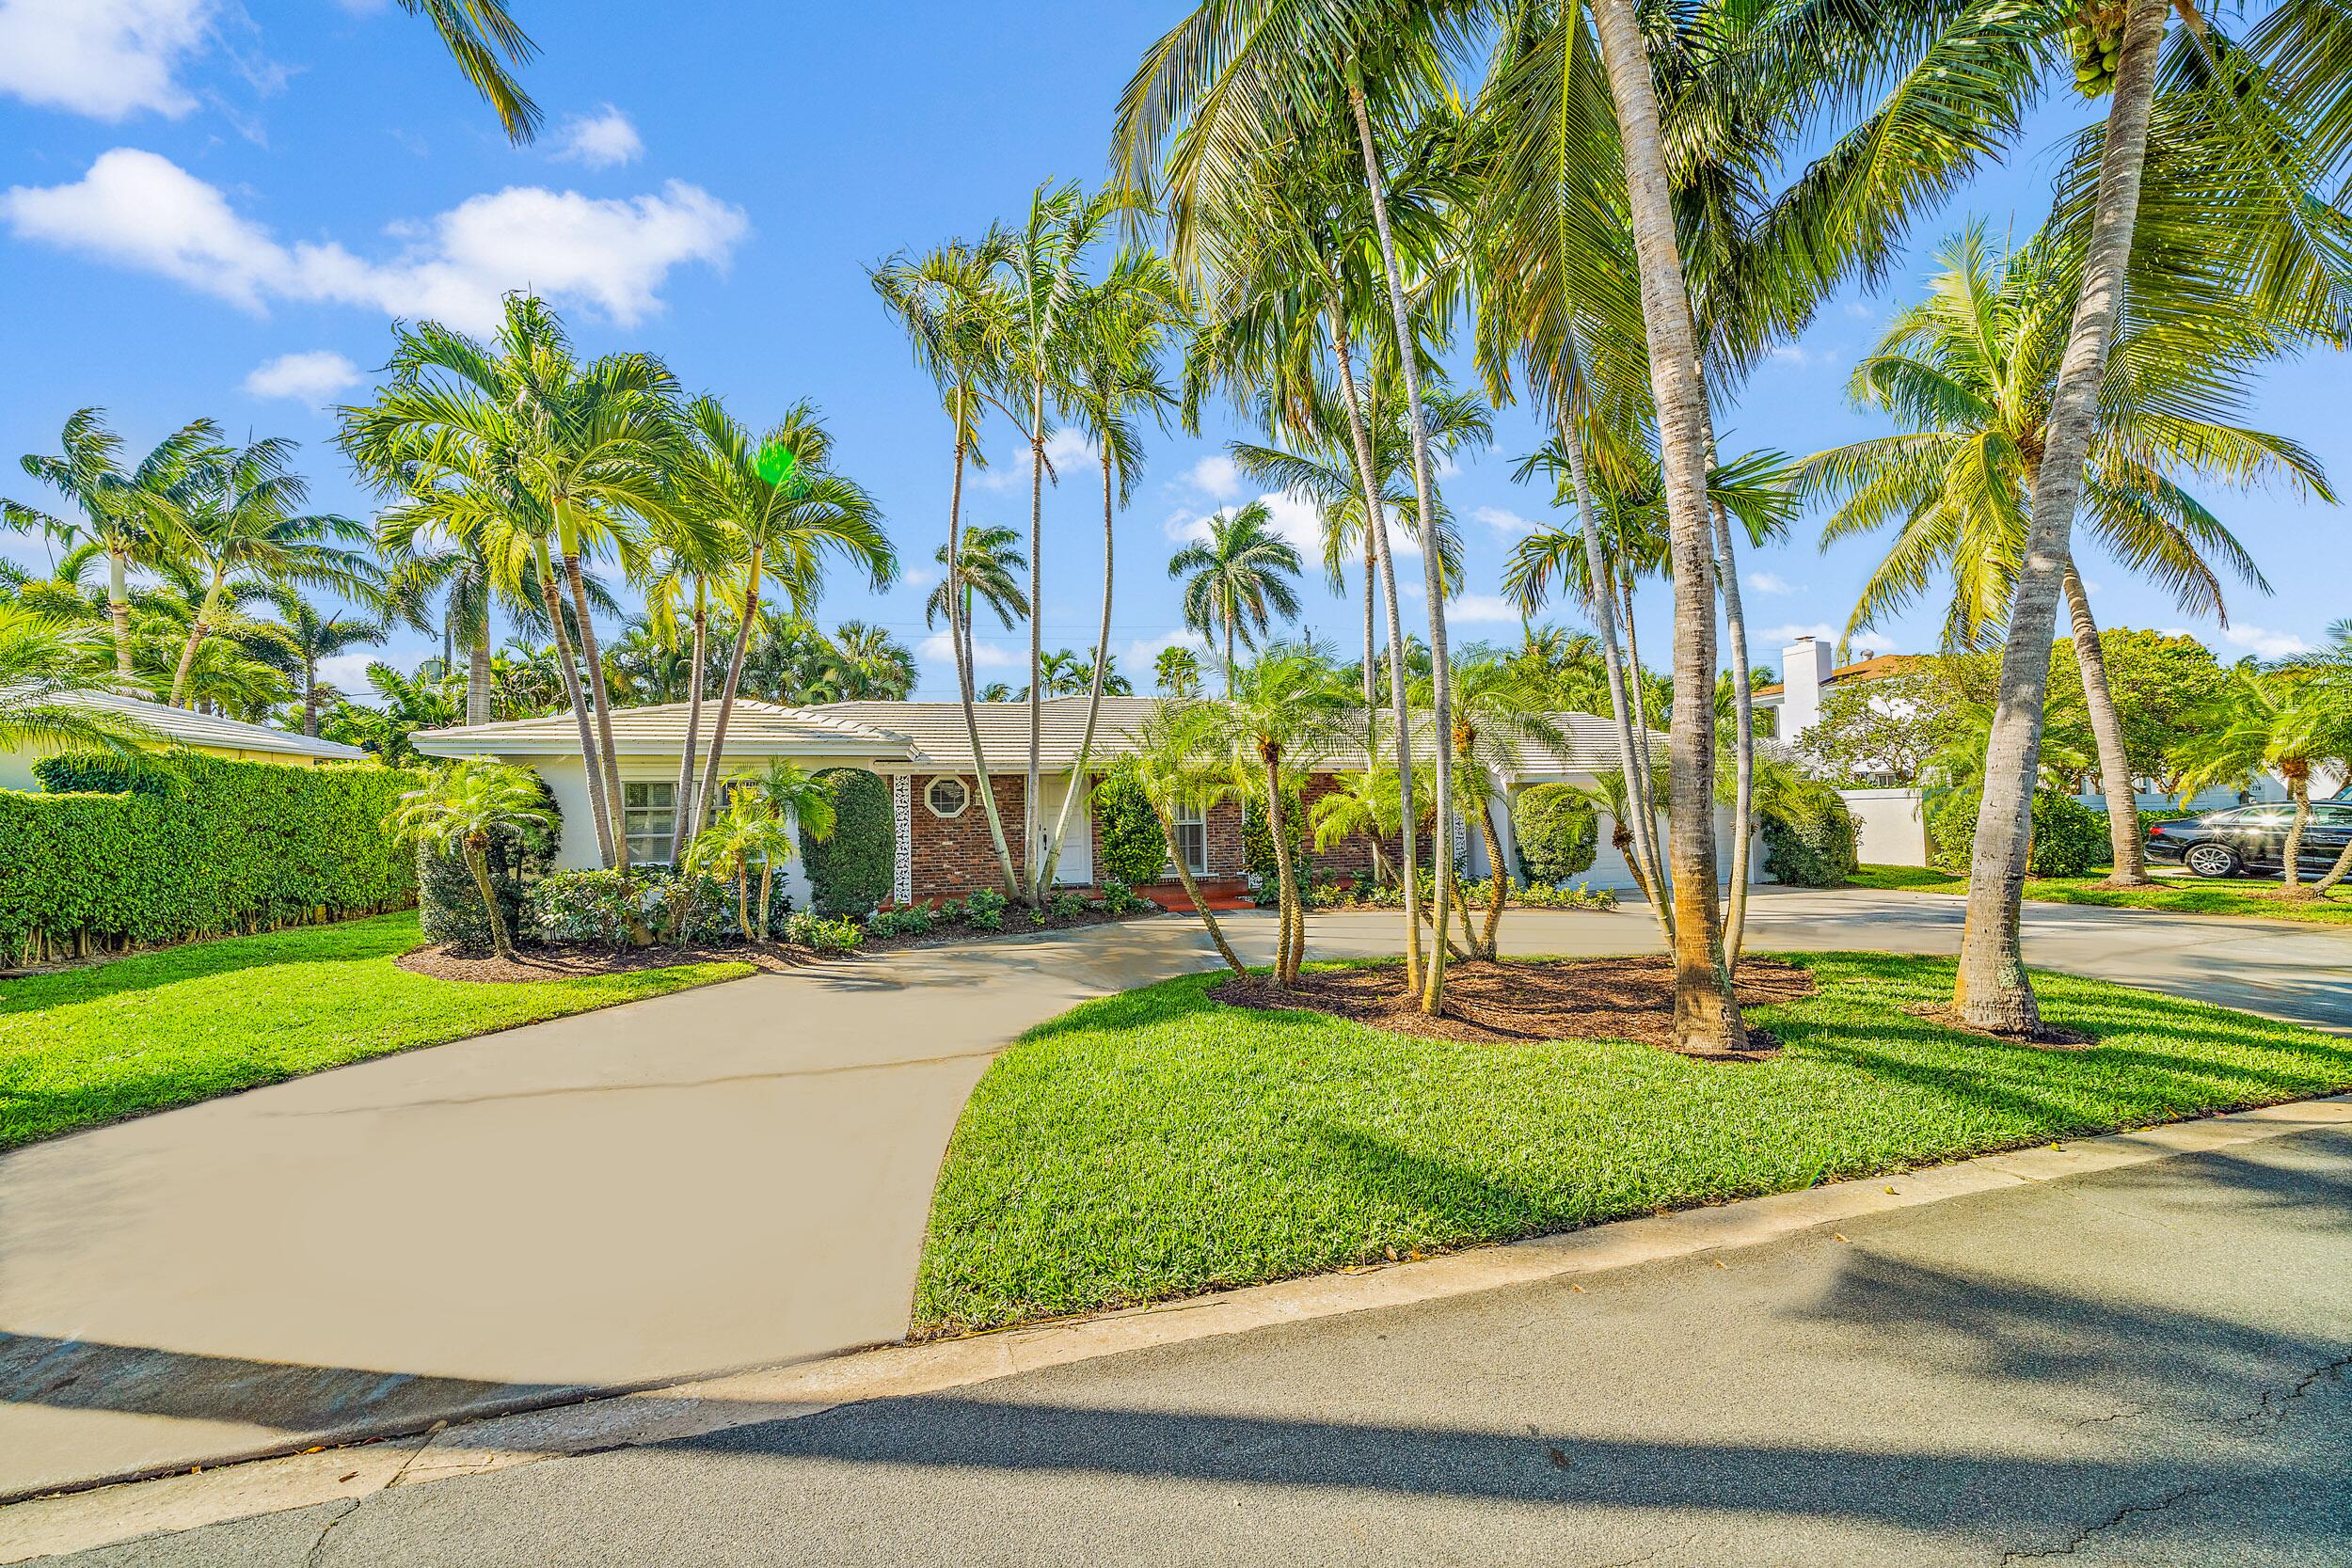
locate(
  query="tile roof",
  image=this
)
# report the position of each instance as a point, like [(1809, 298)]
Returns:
[(204, 729), (754, 729), (1877, 666)]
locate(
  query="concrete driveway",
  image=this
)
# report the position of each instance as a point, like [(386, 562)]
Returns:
[(727, 1176)]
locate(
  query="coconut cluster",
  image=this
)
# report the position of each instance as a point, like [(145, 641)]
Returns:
[(2096, 37)]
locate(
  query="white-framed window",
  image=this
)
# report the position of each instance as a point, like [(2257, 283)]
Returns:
[(649, 812), (947, 797), (1191, 823)]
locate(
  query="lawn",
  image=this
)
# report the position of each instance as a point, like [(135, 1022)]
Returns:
[(1157, 1144), (96, 1044), (2239, 900)]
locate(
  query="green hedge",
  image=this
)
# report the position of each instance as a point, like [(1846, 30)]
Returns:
[(2069, 838), (1134, 848), (178, 844), (1557, 833), (849, 872), (1809, 835), (449, 904)]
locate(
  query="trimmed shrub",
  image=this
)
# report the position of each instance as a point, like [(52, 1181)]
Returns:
[(1809, 836), (1132, 849), (849, 872), (176, 844), (449, 906), (1558, 835), (2069, 838), (815, 931), (598, 908)]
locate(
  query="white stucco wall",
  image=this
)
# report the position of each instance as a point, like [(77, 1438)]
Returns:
[(567, 781), (1608, 869), (1891, 825)]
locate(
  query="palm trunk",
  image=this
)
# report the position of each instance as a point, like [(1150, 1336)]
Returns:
[(478, 668), (743, 897), (710, 790), (2336, 873), (767, 891), (597, 808), (1501, 892), (1094, 694), (1229, 651), (601, 703), (1372, 693), (959, 634), (1743, 741), (1706, 1019), (478, 861), (2106, 727), (2299, 791), (1031, 814), (187, 662), (687, 816), (118, 610), (1604, 597), (1286, 879), (1200, 905), (1377, 537), (1433, 564), (1992, 991), (310, 697)]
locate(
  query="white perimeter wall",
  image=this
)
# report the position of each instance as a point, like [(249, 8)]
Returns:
[(1608, 869), (1891, 825)]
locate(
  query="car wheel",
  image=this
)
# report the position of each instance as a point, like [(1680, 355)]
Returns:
[(2212, 859)]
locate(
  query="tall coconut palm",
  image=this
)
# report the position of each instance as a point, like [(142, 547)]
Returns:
[(238, 519), (986, 571), (957, 315), (1968, 376), (1179, 769), (1237, 75), (1110, 377), (690, 553), (128, 512), (1237, 580), (467, 804), (791, 522)]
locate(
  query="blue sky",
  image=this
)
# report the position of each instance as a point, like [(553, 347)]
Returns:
[(214, 209)]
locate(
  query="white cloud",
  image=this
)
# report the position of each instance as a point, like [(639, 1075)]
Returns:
[(1289, 517), (937, 649), (1770, 582), (1068, 452), (919, 578), (602, 140), (105, 59), (1135, 659), (1820, 631), (1216, 475), (1481, 606), (311, 377), (349, 670), (145, 212), (2263, 642), (1507, 523), (1797, 355)]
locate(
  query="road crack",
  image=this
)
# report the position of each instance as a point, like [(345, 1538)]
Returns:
[(342, 1511), (2273, 1398), (2129, 1511)]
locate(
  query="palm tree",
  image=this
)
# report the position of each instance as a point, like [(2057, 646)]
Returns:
[(469, 804), (691, 551), (1177, 672), (2327, 703), (1497, 712), (873, 665), (957, 313), (987, 571), (1177, 763), (2285, 722), (791, 796), (1968, 375), (238, 519), (126, 513), (313, 637), (743, 832), (1282, 717), (44, 667), (1366, 804), (791, 520), (477, 32), (1110, 375), (1237, 580)]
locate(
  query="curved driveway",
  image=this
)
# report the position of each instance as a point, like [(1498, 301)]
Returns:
[(727, 1176)]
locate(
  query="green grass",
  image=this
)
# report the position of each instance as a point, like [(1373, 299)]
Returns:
[(2232, 899), (96, 1044), (1157, 1144)]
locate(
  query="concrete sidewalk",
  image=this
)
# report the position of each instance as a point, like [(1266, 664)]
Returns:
[(2141, 1365), (729, 1176)]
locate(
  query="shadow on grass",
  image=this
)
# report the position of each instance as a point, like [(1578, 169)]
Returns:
[(360, 941)]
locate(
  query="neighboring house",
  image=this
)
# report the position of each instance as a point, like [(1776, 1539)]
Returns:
[(1808, 673), (198, 731), (924, 751)]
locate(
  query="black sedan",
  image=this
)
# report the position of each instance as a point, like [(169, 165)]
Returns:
[(2253, 838)]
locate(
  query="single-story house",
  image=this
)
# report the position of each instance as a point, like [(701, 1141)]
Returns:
[(199, 732), (924, 751)]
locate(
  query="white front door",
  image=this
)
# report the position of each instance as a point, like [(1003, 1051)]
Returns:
[(1076, 866)]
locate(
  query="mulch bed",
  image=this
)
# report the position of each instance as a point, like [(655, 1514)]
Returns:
[(2045, 1038), (1566, 999), (565, 963)]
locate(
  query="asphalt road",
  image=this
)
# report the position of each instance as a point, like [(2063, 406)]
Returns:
[(2148, 1366)]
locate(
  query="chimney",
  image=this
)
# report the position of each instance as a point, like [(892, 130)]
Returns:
[(1804, 667)]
